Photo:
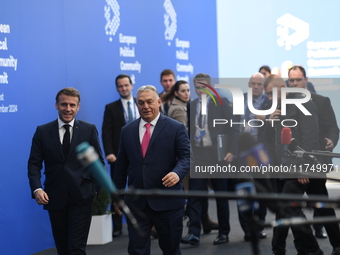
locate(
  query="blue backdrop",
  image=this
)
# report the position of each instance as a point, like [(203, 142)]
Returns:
[(48, 45)]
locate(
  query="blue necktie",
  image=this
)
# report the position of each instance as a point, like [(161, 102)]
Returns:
[(130, 112)]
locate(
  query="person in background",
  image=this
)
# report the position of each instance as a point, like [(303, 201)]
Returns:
[(167, 80), (305, 132), (69, 188), (116, 115), (328, 139), (204, 139), (260, 102), (265, 70), (177, 99)]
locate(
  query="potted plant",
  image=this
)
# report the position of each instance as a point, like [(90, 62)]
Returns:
[(101, 224)]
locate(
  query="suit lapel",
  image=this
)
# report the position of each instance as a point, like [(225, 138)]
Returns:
[(75, 135), (135, 136), (56, 138), (121, 112), (161, 123)]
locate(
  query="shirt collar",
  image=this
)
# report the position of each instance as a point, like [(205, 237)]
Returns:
[(258, 99), (153, 122), (124, 101), (61, 123)]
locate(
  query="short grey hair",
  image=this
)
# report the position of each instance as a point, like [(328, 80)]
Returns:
[(148, 87)]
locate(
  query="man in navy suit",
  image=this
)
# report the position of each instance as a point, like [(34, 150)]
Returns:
[(116, 115), (69, 188), (154, 153)]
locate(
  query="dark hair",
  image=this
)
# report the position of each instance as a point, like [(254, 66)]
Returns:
[(121, 76), (298, 67), (68, 92), (167, 72), (266, 68), (171, 94), (202, 77)]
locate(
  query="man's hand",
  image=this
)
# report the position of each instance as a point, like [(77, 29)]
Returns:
[(276, 114), (41, 197), (229, 157), (260, 117), (329, 144), (303, 180), (111, 158), (170, 179), (117, 210)]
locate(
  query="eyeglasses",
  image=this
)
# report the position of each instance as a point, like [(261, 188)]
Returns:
[(297, 80)]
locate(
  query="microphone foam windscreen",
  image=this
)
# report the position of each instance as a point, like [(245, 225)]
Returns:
[(286, 135)]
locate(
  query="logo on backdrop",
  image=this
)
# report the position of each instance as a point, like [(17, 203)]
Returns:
[(112, 16), (204, 96), (170, 21), (291, 31)]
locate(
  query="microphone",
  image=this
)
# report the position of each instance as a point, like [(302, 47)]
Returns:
[(286, 136), (294, 146), (253, 154), (88, 157)]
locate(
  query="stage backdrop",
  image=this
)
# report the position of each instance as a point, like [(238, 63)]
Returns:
[(48, 45)]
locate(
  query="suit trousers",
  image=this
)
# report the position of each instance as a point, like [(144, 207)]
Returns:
[(203, 157), (169, 226), (116, 218), (304, 239), (318, 187), (70, 227)]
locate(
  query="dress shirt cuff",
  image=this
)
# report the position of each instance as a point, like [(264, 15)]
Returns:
[(37, 190)]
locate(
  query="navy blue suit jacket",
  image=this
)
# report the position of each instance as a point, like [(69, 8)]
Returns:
[(64, 176), (168, 151)]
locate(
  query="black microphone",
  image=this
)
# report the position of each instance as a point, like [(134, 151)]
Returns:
[(254, 154), (296, 149), (286, 136), (88, 157)]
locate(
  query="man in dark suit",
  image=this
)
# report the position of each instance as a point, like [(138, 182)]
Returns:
[(116, 115), (154, 153), (203, 137), (69, 188), (304, 129), (328, 139), (260, 102)]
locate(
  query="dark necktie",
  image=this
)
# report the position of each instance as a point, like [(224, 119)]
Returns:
[(129, 111), (66, 139), (200, 124)]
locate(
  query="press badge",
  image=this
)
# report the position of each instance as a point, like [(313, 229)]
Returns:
[(199, 134)]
